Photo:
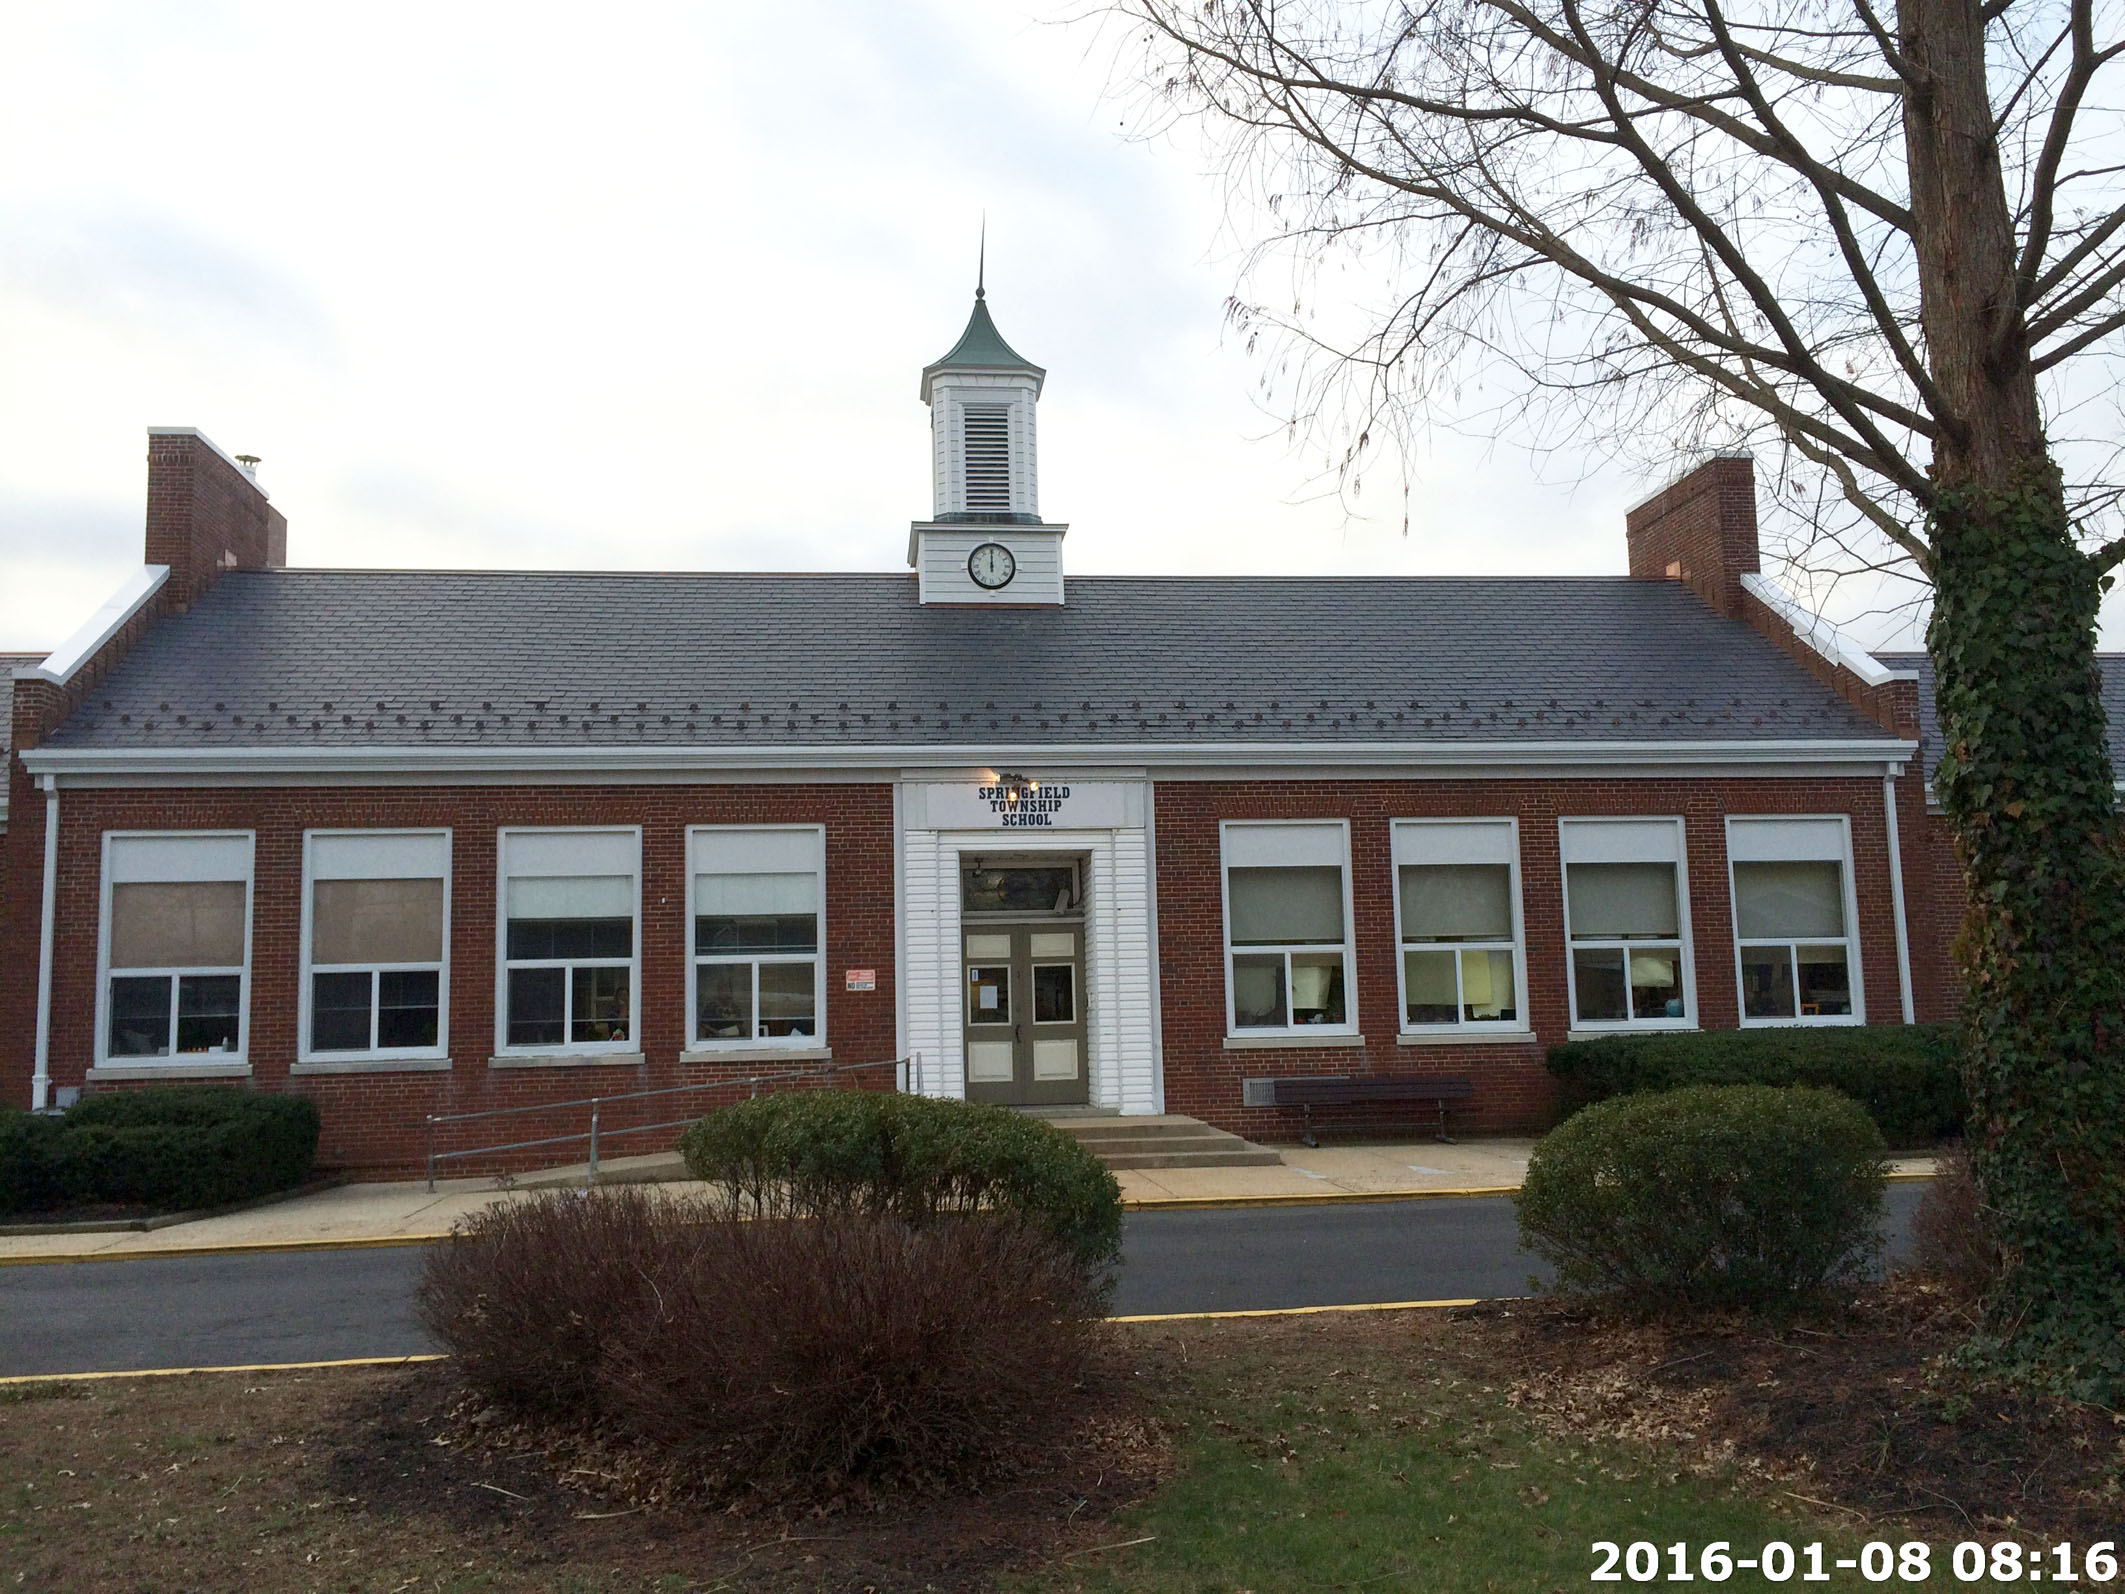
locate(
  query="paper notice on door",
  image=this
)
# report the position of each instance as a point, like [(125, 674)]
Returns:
[(989, 994)]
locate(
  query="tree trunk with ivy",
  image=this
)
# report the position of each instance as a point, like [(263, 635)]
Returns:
[(2026, 779), (1875, 244)]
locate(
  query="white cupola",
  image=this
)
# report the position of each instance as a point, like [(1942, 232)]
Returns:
[(985, 541)]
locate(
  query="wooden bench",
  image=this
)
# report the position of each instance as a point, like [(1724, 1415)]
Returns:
[(1308, 1091)]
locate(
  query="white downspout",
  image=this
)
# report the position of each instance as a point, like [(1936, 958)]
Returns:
[(41, 1080), (1896, 897)]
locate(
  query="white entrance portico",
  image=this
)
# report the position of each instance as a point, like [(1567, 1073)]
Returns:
[(946, 825)]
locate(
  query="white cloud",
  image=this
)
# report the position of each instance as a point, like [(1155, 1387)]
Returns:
[(640, 285)]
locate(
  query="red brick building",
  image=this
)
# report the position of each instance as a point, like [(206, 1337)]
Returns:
[(416, 842)]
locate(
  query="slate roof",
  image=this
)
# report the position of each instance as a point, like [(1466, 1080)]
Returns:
[(1929, 724), (9, 664), (446, 659)]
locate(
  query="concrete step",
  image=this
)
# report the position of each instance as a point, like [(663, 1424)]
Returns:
[(1246, 1157), (1169, 1140)]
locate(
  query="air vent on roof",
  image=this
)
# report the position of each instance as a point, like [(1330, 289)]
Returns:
[(988, 458)]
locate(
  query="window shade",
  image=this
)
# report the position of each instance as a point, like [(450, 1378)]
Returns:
[(1787, 901), (779, 851), (1467, 902), (1616, 900), (177, 925), (376, 921), (735, 895), (1277, 907), (572, 897)]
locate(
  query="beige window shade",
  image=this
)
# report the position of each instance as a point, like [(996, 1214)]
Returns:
[(1457, 901), (1613, 901), (1785, 901), (376, 921), (188, 924), (1285, 906)]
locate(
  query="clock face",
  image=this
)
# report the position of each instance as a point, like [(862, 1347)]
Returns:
[(992, 565)]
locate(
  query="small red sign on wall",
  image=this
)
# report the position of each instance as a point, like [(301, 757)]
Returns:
[(860, 979)]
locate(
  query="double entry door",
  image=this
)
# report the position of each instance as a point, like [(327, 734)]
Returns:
[(1025, 1014)]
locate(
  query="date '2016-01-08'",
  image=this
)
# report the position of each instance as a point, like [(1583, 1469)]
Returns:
[(2006, 1561)]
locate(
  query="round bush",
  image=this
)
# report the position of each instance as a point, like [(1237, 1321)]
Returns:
[(914, 1158), (1734, 1195)]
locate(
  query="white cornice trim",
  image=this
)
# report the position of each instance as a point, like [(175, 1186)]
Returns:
[(1817, 632), (62, 663), (594, 761)]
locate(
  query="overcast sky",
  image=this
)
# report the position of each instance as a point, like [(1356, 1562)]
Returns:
[(646, 286)]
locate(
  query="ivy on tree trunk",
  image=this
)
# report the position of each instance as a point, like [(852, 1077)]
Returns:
[(2027, 783)]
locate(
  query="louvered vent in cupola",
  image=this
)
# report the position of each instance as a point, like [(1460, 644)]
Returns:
[(987, 445)]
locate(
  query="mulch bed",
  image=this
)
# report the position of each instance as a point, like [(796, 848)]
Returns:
[(421, 1447), (1857, 1409)]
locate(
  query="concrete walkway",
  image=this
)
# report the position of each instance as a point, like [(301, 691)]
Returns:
[(395, 1213)]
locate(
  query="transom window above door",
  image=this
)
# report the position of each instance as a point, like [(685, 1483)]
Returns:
[(758, 921), (1457, 901), (1287, 927), (1008, 886)]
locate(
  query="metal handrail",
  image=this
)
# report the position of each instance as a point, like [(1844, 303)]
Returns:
[(597, 1105)]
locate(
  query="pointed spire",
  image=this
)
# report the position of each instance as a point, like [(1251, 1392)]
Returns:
[(981, 346)]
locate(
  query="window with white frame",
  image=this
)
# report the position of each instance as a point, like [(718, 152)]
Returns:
[(1457, 902), (1287, 927), (176, 920), (1625, 921), (570, 906), (758, 925), (1793, 920), (377, 921)]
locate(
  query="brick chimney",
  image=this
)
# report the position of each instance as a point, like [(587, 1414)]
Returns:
[(206, 514), (1701, 531)]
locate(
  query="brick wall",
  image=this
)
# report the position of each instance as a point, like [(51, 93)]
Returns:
[(205, 516), (1700, 531), (372, 1121), (1513, 1090)]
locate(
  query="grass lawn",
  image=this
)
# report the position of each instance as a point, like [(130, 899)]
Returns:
[(1364, 1451)]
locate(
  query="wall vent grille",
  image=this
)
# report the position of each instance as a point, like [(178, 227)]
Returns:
[(988, 458)]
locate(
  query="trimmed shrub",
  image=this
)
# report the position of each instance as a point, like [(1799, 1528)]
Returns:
[(1734, 1195), (27, 1177), (1908, 1077), (778, 1356), (173, 1146), (914, 1158)]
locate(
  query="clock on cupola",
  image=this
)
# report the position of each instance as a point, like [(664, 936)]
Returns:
[(985, 541)]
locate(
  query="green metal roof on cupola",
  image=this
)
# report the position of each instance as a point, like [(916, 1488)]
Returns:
[(981, 348)]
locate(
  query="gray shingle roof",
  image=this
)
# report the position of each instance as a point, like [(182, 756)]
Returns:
[(1929, 724), (9, 664), (340, 658)]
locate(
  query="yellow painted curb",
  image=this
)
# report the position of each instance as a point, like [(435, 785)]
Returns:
[(235, 1247), (252, 1367), (1299, 1311)]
